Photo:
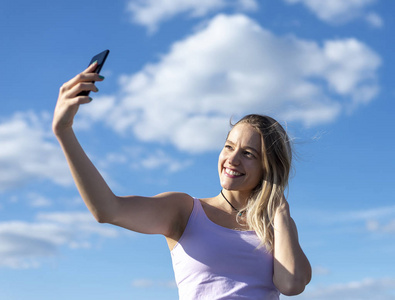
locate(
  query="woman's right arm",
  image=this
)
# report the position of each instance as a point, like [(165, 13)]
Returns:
[(163, 214)]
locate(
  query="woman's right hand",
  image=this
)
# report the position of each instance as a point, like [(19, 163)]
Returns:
[(69, 101)]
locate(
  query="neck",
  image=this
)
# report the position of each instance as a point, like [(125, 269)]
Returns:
[(236, 198)]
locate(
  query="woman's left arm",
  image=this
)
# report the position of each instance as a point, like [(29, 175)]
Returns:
[(292, 270)]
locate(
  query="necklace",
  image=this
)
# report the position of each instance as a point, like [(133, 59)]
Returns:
[(234, 208)]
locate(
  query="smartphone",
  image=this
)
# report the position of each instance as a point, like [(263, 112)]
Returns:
[(100, 58)]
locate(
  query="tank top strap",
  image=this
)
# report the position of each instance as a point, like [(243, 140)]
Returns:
[(197, 214), (197, 206)]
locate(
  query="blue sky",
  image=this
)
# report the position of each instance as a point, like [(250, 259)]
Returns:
[(177, 72)]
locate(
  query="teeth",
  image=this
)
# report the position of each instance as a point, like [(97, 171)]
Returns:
[(231, 172)]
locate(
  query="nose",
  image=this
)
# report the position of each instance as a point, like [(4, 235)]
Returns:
[(234, 158)]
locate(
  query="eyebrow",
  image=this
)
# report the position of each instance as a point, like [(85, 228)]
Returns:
[(248, 147)]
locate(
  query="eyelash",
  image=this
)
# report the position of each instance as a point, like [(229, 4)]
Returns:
[(246, 153), (249, 154)]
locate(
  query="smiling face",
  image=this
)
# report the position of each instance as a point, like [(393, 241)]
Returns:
[(240, 161)]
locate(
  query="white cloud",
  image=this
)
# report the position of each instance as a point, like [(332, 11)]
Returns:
[(340, 11), (28, 152), (366, 289), (161, 160), (37, 200), (375, 226), (25, 244), (232, 67), (139, 158), (375, 20), (95, 111), (151, 13)]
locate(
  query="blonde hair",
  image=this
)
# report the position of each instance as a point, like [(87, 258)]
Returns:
[(276, 163)]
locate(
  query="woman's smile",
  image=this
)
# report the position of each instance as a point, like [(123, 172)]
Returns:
[(240, 165), (232, 173)]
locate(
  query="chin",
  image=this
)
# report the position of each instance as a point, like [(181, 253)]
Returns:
[(228, 187)]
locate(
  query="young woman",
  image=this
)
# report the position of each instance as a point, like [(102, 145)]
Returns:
[(239, 244)]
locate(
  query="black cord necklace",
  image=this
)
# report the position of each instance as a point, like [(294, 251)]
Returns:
[(234, 208)]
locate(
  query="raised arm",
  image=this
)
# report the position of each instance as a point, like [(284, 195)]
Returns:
[(292, 270), (162, 214)]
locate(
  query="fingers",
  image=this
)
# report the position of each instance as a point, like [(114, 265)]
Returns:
[(80, 100), (84, 82), (91, 68), (81, 78), (76, 90), (88, 75), (70, 98)]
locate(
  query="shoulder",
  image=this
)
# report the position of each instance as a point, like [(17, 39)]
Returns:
[(175, 197), (181, 203)]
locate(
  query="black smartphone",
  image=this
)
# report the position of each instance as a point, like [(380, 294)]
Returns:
[(100, 58)]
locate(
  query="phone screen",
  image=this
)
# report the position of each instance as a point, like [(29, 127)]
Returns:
[(100, 58)]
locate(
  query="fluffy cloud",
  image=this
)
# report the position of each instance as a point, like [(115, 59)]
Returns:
[(37, 200), (151, 13), (28, 152), (232, 67), (95, 111), (341, 11), (374, 20), (25, 244), (161, 160)]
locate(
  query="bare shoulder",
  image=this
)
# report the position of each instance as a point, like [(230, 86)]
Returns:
[(174, 195), (182, 201), (176, 205), (181, 204)]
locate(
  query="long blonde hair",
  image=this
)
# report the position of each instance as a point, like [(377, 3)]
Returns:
[(276, 163)]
